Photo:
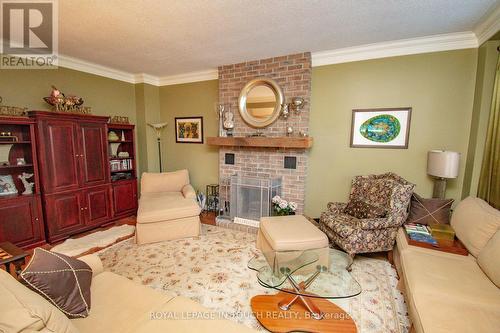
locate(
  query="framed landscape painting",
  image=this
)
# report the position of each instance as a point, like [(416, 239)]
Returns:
[(189, 129), (381, 128)]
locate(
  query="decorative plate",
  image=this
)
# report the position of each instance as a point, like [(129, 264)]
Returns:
[(382, 128)]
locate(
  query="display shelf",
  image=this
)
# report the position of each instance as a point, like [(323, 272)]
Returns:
[(16, 166)]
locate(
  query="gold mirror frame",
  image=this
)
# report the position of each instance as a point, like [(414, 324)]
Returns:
[(242, 102)]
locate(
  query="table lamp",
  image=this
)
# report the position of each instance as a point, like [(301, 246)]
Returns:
[(442, 165)]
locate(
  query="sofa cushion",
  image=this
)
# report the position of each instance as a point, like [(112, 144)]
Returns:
[(449, 292), (182, 315), (120, 305), (292, 232), (475, 222), (489, 259), (164, 182), (155, 207), (62, 280), (24, 311), (124, 306)]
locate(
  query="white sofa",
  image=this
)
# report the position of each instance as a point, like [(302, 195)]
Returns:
[(447, 292), (167, 208), (117, 305)]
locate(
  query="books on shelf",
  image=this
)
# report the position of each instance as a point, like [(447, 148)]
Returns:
[(119, 165), (420, 233)]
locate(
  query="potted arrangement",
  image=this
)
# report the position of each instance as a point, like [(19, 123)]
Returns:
[(282, 207)]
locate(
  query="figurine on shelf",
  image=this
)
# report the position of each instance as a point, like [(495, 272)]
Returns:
[(64, 103), (28, 187), (229, 122), (112, 136), (220, 115), (285, 112)]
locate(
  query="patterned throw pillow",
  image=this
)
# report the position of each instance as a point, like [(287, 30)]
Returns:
[(425, 211), (363, 210), (62, 280)]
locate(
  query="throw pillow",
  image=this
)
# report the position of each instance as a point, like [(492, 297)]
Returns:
[(364, 210), (425, 211), (62, 280)]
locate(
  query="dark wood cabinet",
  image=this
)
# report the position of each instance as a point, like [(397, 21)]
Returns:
[(59, 155), (123, 170), (21, 221), (93, 154), (21, 218), (77, 190), (97, 206), (64, 214), (124, 197)]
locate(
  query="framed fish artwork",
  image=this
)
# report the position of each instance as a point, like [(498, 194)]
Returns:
[(381, 128)]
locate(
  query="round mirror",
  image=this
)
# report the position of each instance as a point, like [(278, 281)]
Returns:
[(260, 102)]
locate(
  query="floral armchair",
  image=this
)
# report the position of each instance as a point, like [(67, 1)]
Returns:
[(388, 192)]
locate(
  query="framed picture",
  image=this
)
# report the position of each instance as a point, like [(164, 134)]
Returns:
[(7, 186), (189, 129), (381, 128)]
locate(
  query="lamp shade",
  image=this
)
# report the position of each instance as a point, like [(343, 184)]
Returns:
[(442, 163)]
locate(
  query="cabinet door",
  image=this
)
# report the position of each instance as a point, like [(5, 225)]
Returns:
[(97, 205), (94, 163), (19, 222), (59, 162), (64, 214), (124, 196)]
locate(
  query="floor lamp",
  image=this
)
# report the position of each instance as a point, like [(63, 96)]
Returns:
[(158, 128)]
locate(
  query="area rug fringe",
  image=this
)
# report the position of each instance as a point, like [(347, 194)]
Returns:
[(97, 241)]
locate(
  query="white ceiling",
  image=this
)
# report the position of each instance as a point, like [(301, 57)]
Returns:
[(169, 37)]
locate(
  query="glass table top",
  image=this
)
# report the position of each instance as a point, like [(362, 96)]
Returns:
[(320, 273)]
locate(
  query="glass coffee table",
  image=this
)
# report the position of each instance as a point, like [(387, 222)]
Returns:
[(305, 281)]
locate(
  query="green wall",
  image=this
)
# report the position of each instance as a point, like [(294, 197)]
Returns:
[(25, 88), (106, 97), (438, 86), (147, 103), (188, 100), (485, 80)]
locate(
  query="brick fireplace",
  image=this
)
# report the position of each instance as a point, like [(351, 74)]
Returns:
[(293, 74)]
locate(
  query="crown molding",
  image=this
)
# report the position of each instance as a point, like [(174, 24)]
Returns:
[(436, 43), (489, 25), (146, 78), (92, 68), (211, 74), (453, 41)]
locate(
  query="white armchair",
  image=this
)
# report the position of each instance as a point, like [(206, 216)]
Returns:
[(167, 208)]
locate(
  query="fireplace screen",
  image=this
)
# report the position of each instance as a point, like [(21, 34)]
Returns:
[(250, 197)]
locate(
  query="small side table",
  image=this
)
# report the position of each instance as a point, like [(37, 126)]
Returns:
[(11, 254), (451, 246)]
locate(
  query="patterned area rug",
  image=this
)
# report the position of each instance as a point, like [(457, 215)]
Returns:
[(212, 270)]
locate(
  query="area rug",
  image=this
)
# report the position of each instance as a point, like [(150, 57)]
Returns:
[(75, 247), (212, 270)]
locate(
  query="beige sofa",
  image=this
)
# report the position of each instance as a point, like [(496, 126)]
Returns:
[(446, 292), (117, 305), (167, 208)]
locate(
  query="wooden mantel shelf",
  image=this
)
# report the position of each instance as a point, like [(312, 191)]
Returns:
[(263, 142)]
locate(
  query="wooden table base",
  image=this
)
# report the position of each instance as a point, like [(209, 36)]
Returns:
[(298, 318)]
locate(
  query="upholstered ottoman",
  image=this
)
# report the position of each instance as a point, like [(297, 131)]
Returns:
[(290, 233)]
